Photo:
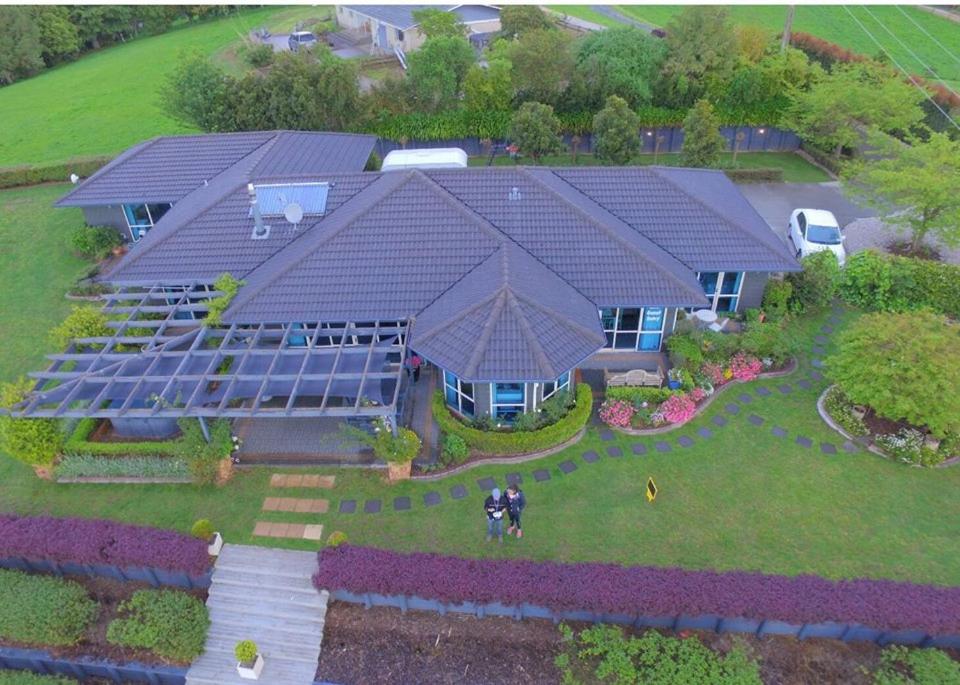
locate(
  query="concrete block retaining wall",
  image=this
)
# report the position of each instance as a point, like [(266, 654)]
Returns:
[(83, 668), (720, 624), (154, 576)]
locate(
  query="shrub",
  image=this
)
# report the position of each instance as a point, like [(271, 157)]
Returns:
[(906, 444), (756, 175), (95, 242), (685, 351), (776, 298), (641, 590), (891, 283), (44, 610), (816, 285), (840, 409), (95, 466), (655, 658), (336, 539), (59, 172), (745, 367), (453, 449), (78, 444), (510, 442), (902, 666), (33, 441), (169, 623), (202, 457), (228, 286), (678, 409), (81, 322), (616, 413), (258, 55), (202, 529), (98, 542), (245, 651), (904, 366), (770, 340), (637, 396), (28, 678)]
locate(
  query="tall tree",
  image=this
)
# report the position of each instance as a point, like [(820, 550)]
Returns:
[(518, 20), (702, 141), (435, 23), (490, 89), (832, 113), (622, 61), (702, 52), (437, 71), (542, 64), (19, 44), (535, 130), (195, 91), (59, 39), (616, 131), (916, 185)]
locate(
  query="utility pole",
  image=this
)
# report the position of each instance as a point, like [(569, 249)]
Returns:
[(787, 28)]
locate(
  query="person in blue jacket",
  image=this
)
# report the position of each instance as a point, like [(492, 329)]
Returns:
[(516, 503), (495, 506)]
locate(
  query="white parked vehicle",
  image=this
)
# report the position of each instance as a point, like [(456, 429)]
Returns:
[(816, 230)]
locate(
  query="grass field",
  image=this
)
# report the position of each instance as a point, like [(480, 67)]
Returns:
[(834, 23), (795, 168), (107, 101), (585, 12)]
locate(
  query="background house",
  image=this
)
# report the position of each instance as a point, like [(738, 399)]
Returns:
[(393, 26)]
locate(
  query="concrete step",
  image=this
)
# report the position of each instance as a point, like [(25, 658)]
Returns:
[(277, 624), (269, 641), (294, 603), (275, 672), (281, 561), (290, 652), (264, 580)]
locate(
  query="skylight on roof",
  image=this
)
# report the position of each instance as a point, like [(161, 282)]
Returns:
[(273, 198)]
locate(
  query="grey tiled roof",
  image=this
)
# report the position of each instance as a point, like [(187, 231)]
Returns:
[(169, 168), (399, 16)]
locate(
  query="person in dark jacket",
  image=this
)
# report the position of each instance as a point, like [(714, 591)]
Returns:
[(495, 506), (516, 503)]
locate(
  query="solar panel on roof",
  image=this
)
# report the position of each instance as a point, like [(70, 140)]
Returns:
[(273, 198)]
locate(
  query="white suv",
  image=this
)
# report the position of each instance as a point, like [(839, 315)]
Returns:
[(816, 230)]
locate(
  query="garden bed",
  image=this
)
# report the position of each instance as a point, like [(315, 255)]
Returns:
[(385, 646)]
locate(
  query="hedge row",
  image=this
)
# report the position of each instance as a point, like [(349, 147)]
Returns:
[(880, 282), (516, 442), (758, 175), (640, 590), (99, 542), (28, 678), (79, 444), (43, 610), (31, 174)]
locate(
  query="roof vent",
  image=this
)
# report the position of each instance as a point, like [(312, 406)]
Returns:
[(260, 230), (514, 194)]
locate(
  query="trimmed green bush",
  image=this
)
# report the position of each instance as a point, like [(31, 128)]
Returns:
[(895, 284), (33, 441), (58, 172), (170, 623), (258, 55), (97, 466), (202, 457), (245, 651), (817, 284), (521, 442), (756, 175), (95, 242), (202, 529), (453, 449), (28, 678), (684, 351), (44, 610), (637, 396), (902, 666), (776, 298), (78, 444), (82, 322)]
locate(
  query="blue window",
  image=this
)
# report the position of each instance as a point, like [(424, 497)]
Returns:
[(459, 394), (508, 400), (142, 217), (651, 332), (553, 387), (722, 288), (296, 340)]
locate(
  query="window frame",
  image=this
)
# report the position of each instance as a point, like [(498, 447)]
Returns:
[(718, 293), (460, 393), (557, 386), (139, 230), (494, 405), (616, 331)]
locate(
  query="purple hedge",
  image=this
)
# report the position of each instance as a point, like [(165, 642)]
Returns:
[(98, 542), (641, 590)]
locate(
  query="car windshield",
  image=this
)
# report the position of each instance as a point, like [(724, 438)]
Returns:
[(824, 235)]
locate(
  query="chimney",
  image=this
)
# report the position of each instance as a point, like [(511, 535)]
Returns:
[(514, 194), (260, 231)]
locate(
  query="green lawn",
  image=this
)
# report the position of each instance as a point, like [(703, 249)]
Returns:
[(36, 268), (107, 101), (833, 23), (587, 13), (795, 168)]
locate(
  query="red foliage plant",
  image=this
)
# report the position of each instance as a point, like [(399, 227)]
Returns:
[(99, 542), (640, 590)]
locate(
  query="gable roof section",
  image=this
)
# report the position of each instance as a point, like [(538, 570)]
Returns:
[(169, 168), (509, 319), (398, 16), (697, 215)]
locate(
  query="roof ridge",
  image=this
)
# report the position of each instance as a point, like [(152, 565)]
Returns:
[(486, 333), (533, 173), (111, 166), (531, 337), (462, 208), (553, 313)]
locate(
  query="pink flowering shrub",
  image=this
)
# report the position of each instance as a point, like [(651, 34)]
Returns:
[(715, 373), (616, 413), (698, 394), (679, 408), (745, 367)]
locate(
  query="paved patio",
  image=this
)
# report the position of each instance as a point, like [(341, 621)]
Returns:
[(299, 440)]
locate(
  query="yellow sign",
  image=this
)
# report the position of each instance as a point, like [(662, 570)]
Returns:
[(651, 490)]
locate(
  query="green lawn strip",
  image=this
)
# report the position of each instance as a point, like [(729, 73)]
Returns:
[(587, 13), (833, 23), (795, 168), (108, 100), (36, 269)]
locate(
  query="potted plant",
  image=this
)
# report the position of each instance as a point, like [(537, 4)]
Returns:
[(674, 379), (398, 450), (249, 660), (203, 530)]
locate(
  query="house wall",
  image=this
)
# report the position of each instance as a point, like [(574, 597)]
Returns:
[(751, 290), (108, 215), (484, 26)]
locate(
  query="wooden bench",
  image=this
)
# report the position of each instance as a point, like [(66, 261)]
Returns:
[(637, 377)]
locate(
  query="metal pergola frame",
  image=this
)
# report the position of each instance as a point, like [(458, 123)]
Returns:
[(181, 360)]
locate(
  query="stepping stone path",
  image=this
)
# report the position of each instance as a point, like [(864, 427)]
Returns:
[(372, 506), (514, 479), (755, 420), (786, 388), (401, 503), (816, 375), (732, 409), (819, 351), (301, 480), (745, 398), (779, 432), (486, 484), (295, 504), (817, 363), (541, 475), (828, 448), (567, 466), (590, 457), (719, 420), (615, 451), (663, 446), (804, 442), (639, 449), (298, 505), (763, 391), (606, 435), (264, 595), (803, 383), (458, 492), (685, 441), (821, 340), (348, 506), (704, 432), (431, 499), (303, 531), (826, 329), (849, 446)]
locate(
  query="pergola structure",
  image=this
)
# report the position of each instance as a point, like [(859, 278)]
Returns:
[(162, 362)]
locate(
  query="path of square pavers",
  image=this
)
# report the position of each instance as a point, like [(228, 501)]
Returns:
[(301, 480), (297, 505), (302, 531)]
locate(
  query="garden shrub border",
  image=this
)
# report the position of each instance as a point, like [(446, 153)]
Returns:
[(497, 443), (79, 443), (881, 611), (57, 172)]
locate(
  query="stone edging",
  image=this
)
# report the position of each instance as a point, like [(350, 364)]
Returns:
[(516, 459), (82, 298), (640, 432), (822, 410)]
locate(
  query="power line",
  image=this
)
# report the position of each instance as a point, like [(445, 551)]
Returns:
[(904, 71), (912, 53), (928, 35)]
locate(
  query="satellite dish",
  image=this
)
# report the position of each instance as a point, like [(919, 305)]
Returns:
[(74, 178), (293, 213)]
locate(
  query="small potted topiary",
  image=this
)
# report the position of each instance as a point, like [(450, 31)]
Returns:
[(337, 538), (203, 530), (249, 660)]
